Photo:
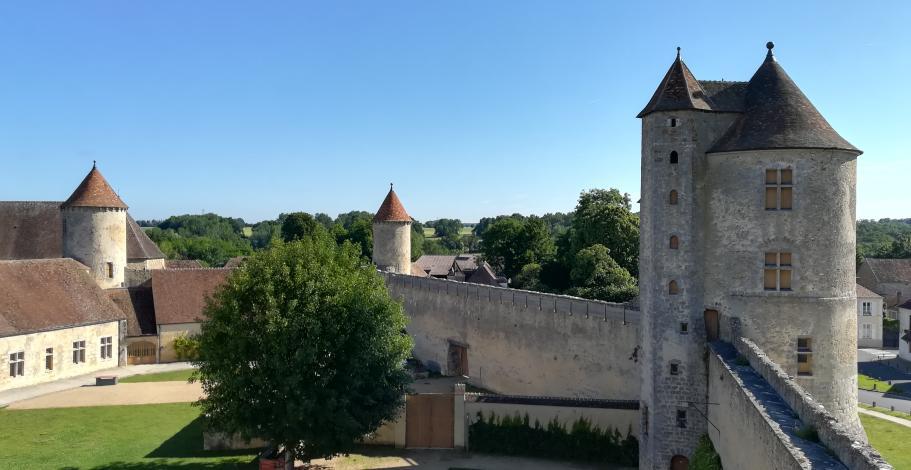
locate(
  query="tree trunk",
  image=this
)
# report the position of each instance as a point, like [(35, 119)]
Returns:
[(289, 458)]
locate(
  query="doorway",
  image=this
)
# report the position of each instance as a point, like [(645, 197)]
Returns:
[(458, 359), (711, 325)]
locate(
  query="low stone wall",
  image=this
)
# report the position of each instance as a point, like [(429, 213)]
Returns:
[(839, 440)]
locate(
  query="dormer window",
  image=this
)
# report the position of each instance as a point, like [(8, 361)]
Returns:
[(674, 158)]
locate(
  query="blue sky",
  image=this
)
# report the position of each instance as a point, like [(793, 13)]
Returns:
[(473, 108)]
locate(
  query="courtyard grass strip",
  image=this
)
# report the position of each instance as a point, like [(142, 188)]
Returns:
[(890, 439), (865, 382), (170, 376)]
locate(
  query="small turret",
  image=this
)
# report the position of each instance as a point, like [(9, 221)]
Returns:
[(94, 229), (392, 236)]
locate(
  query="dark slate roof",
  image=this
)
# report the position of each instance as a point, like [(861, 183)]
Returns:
[(30, 230), (897, 271), (180, 294), (906, 305), (392, 210), (864, 293), (139, 245), (777, 115), (483, 275), (138, 307), (725, 97), (437, 265), (49, 294), (466, 262), (34, 230), (94, 191), (679, 90)]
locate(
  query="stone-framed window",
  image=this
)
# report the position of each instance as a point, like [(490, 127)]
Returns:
[(672, 122), (674, 158), (49, 359), (681, 418), (79, 352), (107, 345), (804, 356), (110, 270), (674, 242), (17, 364), (672, 197), (867, 308), (779, 189), (673, 288), (684, 328), (675, 368), (777, 271)]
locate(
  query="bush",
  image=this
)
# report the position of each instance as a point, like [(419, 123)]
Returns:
[(705, 457), (186, 348), (514, 435)]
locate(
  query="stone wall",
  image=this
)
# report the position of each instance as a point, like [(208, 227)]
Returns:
[(35, 348), (96, 237), (523, 342), (166, 336), (392, 246)]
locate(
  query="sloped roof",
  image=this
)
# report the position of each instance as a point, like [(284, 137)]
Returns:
[(94, 191), (48, 294), (896, 271), (137, 305), (182, 264), (180, 294), (391, 210), (864, 293), (467, 262), (139, 245), (484, 275), (906, 305), (678, 90), (30, 230), (438, 265), (725, 96), (777, 115)]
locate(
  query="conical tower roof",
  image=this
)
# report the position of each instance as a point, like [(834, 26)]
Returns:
[(392, 209), (94, 191), (679, 90), (777, 115)]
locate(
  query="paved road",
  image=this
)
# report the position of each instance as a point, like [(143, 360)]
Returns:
[(868, 363)]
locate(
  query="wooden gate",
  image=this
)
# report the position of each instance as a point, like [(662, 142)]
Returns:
[(711, 325), (428, 421), (458, 359), (141, 352)]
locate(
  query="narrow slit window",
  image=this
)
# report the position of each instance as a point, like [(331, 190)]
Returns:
[(804, 356), (672, 288), (672, 197), (675, 368), (110, 269), (681, 418), (779, 189), (672, 122), (675, 242), (777, 272), (684, 328), (49, 359), (674, 157)]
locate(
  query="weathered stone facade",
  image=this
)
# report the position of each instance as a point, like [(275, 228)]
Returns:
[(97, 238), (392, 246)]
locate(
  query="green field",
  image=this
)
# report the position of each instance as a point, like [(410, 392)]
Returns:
[(890, 439), (110, 437), (172, 376), (865, 382), (430, 233)]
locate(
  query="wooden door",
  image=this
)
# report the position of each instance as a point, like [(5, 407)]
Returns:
[(458, 360), (711, 325), (429, 421), (679, 462)]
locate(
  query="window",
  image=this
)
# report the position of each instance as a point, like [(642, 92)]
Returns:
[(675, 242), (804, 356), (110, 270), (49, 359), (674, 157), (672, 288), (17, 364), (684, 327), (867, 308), (675, 368), (78, 352), (672, 198), (681, 418), (867, 331), (779, 190), (672, 122), (777, 273), (106, 347)]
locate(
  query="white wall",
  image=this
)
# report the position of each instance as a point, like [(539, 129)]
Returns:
[(875, 320), (904, 322), (34, 346)]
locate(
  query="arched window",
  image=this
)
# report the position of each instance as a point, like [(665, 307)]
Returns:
[(675, 242), (672, 288), (674, 157), (672, 198), (672, 122)]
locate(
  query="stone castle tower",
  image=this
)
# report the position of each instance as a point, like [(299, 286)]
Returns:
[(392, 236), (747, 230), (94, 229)]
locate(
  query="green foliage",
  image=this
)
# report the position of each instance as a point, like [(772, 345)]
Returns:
[(890, 324), (300, 225), (205, 225), (209, 238), (304, 347), (514, 435), (885, 238), (434, 246), (511, 243), (417, 241), (605, 217), (705, 457), (447, 228), (529, 278), (596, 275), (186, 347), (264, 233)]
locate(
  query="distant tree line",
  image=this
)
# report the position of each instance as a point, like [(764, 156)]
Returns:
[(884, 238)]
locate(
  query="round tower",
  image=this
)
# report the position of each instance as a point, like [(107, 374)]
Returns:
[(392, 236), (94, 229)]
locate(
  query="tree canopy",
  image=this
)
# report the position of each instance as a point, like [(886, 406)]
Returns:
[(605, 217), (510, 243), (304, 347)]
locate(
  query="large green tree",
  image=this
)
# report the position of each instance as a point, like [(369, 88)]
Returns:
[(510, 243), (447, 228), (605, 217), (299, 225), (305, 348), (595, 275)]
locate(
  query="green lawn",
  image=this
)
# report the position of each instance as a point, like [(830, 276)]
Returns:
[(897, 414), (890, 439), (110, 437), (431, 233), (865, 382), (172, 376)]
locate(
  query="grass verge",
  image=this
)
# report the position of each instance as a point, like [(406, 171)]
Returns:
[(171, 376), (890, 439), (865, 382), (897, 414)]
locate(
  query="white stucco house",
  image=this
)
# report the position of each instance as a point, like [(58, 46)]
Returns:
[(869, 318)]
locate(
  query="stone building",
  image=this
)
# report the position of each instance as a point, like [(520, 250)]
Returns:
[(869, 318), (890, 278), (392, 236), (904, 330), (747, 224), (464, 267)]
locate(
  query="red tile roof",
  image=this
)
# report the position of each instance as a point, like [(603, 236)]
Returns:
[(180, 294), (864, 293), (49, 294), (138, 307), (94, 191), (392, 209)]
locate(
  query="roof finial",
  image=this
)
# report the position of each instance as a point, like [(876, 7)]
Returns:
[(769, 45), (678, 52), (390, 186), (93, 164)]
